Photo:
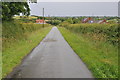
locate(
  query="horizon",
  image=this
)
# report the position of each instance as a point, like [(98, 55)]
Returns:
[(70, 16)]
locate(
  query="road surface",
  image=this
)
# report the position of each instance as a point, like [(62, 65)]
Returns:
[(52, 58)]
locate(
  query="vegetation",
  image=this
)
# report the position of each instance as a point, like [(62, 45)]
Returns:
[(16, 37), (0, 50), (26, 19), (100, 57), (97, 46), (54, 22), (17, 33), (9, 9), (57, 18), (99, 32)]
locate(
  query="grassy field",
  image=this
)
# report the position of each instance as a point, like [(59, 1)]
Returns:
[(29, 17), (100, 57), (18, 40)]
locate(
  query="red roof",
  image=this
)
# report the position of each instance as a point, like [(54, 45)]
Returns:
[(87, 19), (40, 21)]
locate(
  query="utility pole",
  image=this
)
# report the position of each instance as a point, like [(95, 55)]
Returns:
[(43, 17)]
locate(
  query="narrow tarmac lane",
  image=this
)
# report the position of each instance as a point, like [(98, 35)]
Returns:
[(53, 58)]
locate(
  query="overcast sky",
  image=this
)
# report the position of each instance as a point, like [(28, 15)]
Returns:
[(78, 0), (76, 8)]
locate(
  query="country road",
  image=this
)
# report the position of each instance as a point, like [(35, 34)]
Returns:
[(52, 58)]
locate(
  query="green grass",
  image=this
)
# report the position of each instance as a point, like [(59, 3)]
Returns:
[(29, 17), (19, 43), (100, 57)]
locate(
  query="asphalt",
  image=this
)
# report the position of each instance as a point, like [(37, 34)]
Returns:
[(52, 58)]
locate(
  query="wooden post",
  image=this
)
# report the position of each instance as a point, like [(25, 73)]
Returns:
[(43, 17)]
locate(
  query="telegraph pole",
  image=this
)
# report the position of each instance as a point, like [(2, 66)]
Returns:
[(43, 17)]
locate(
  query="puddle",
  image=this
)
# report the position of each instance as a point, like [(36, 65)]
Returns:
[(49, 40)]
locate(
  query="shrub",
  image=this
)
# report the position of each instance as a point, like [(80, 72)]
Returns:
[(15, 30), (109, 31)]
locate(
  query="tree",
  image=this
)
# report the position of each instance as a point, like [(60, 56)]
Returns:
[(40, 17), (75, 21), (9, 9), (54, 22), (70, 20), (32, 1)]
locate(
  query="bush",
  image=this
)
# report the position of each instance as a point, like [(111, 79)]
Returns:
[(109, 31), (54, 22), (15, 30)]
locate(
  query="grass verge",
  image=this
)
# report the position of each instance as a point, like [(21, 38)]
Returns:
[(100, 57), (13, 55)]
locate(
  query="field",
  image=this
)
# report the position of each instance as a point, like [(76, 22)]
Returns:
[(97, 46), (29, 17), (16, 37)]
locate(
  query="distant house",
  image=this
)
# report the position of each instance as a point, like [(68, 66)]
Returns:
[(40, 21), (103, 22), (87, 20), (90, 20)]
